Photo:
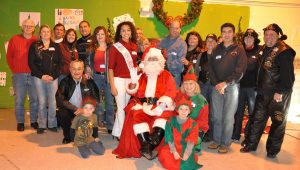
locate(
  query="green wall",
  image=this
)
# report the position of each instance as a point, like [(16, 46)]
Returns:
[(96, 12)]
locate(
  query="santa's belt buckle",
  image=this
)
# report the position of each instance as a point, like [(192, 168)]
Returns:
[(149, 100)]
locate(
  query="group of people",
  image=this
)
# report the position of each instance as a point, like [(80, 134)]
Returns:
[(170, 96)]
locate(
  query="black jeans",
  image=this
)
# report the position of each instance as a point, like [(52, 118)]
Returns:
[(265, 107), (65, 117), (246, 96)]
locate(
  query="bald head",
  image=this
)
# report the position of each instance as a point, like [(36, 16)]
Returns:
[(175, 28)]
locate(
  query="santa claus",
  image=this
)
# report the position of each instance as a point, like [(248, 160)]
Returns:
[(149, 109)]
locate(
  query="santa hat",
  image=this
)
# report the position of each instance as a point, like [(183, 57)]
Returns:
[(152, 52), (190, 74), (89, 100), (183, 99)]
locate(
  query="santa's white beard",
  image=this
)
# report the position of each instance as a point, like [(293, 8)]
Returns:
[(153, 68)]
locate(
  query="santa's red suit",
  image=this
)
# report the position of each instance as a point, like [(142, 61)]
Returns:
[(144, 125)]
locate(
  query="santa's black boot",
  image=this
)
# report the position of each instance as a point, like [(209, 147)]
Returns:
[(155, 139), (157, 136), (146, 147)]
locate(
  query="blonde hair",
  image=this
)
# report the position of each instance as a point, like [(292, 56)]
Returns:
[(44, 26), (197, 87)]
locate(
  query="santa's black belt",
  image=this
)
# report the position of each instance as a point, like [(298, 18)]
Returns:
[(149, 100)]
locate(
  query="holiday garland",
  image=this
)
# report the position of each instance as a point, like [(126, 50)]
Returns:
[(192, 14)]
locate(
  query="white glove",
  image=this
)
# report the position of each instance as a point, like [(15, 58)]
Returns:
[(134, 76), (159, 109)]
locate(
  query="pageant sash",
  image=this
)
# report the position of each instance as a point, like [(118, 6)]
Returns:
[(125, 53)]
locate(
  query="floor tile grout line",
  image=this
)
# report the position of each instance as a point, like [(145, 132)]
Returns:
[(14, 165), (292, 136)]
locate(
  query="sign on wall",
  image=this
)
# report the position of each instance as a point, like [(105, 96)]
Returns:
[(70, 18), (35, 16), (2, 78)]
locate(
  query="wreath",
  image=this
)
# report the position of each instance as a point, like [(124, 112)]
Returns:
[(192, 13)]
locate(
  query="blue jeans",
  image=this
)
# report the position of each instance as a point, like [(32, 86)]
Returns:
[(177, 78), (96, 147), (103, 85), (46, 96), (23, 83), (246, 96), (206, 89), (223, 109)]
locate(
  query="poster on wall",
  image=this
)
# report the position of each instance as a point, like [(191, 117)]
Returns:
[(70, 18), (35, 16)]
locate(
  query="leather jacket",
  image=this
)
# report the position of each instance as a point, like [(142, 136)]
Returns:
[(269, 79), (44, 62), (67, 87)]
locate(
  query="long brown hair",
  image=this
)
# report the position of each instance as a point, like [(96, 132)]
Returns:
[(95, 44)]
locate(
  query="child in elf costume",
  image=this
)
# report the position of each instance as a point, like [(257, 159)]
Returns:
[(200, 108), (181, 136), (85, 130)]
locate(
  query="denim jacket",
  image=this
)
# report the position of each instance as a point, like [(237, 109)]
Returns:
[(176, 50)]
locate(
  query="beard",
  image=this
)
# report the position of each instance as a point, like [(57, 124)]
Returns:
[(153, 68)]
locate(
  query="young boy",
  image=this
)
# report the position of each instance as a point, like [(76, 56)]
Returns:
[(181, 136), (84, 128)]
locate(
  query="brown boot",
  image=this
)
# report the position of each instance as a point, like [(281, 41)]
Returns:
[(213, 146), (223, 149)]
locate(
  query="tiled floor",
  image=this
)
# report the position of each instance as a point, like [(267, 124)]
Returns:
[(27, 150)]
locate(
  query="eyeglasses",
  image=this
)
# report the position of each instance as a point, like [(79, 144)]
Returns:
[(28, 26)]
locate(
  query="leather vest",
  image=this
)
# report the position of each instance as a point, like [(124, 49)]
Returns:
[(269, 71)]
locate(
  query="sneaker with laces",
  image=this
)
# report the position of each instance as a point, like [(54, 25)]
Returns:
[(213, 146)]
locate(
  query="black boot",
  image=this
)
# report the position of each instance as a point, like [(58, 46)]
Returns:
[(155, 139), (247, 149), (157, 136), (146, 148)]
